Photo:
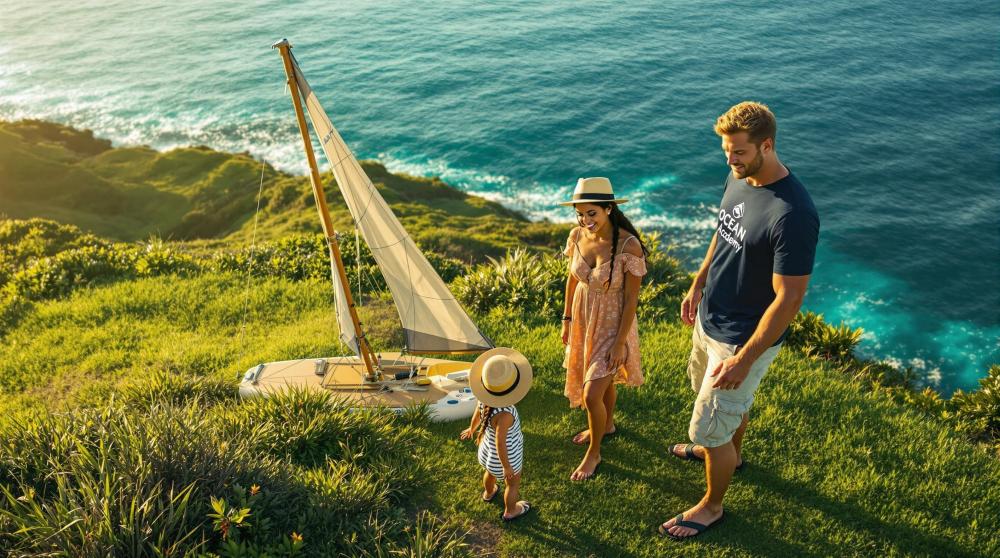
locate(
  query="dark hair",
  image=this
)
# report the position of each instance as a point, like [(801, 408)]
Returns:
[(485, 414), (619, 221)]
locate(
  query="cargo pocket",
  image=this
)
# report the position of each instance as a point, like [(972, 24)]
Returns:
[(727, 415)]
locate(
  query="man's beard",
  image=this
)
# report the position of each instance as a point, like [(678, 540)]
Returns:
[(750, 168)]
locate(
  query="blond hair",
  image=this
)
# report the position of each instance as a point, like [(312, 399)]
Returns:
[(751, 117)]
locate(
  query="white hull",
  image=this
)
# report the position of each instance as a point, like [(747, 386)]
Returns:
[(447, 394)]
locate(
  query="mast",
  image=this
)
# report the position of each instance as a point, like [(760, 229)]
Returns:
[(364, 348)]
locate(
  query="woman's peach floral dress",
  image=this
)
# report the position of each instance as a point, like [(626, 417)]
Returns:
[(596, 313)]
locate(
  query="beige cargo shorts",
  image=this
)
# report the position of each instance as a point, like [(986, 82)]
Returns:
[(718, 412)]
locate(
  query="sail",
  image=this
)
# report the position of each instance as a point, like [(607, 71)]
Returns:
[(432, 319), (347, 333)]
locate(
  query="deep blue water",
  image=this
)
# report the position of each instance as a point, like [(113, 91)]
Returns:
[(888, 112)]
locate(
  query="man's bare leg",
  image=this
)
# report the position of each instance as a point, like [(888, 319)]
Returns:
[(738, 438), (720, 463), (678, 449)]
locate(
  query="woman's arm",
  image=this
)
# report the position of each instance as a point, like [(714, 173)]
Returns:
[(630, 295), (568, 306)]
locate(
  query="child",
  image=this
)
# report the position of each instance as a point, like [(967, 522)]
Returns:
[(500, 378)]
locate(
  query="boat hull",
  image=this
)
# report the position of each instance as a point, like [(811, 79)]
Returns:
[(446, 392)]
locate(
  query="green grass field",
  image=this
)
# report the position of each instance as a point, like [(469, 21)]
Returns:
[(834, 469), (120, 432)]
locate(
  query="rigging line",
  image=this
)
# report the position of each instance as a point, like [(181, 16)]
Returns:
[(253, 243), (390, 245)]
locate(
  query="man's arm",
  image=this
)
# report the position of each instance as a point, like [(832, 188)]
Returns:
[(689, 306), (789, 291)]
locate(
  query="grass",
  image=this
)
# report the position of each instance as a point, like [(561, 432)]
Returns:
[(124, 396), (197, 193), (834, 469), (122, 371)]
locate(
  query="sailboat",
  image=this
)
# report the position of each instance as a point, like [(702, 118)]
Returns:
[(432, 319)]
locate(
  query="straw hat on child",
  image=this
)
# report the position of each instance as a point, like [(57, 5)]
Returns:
[(500, 377)]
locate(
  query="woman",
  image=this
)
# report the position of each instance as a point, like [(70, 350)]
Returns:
[(607, 262)]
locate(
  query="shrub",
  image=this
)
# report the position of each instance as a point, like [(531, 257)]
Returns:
[(977, 413), (663, 268), (520, 280), (814, 337), (665, 284), (927, 400), (881, 373), (22, 241), (58, 275), (156, 257)]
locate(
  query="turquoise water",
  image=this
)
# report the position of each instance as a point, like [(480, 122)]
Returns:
[(888, 112)]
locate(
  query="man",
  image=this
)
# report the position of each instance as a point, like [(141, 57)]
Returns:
[(749, 288)]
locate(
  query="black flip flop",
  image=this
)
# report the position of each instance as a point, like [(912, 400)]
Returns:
[(492, 496), (698, 527), (689, 455), (525, 508)]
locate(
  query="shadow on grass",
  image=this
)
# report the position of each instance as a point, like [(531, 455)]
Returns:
[(854, 518)]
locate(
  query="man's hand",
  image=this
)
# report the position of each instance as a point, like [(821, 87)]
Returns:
[(689, 306), (731, 373)]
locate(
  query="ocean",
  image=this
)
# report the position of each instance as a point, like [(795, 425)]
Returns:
[(888, 112)]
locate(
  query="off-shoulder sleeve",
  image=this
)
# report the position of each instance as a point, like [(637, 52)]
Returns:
[(636, 265), (570, 243)]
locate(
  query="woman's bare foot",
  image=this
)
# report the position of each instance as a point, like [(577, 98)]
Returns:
[(586, 468), (582, 437)]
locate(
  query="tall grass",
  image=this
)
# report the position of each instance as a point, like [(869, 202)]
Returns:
[(150, 453), (184, 473)]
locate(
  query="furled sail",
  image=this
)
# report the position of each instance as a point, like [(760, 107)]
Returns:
[(432, 319)]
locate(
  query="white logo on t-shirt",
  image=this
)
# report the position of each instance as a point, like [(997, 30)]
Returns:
[(738, 211), (729, 229)]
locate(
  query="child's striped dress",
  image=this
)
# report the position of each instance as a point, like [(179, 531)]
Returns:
[(488, 456)]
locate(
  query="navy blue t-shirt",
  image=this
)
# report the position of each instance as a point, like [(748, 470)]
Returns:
[(762, 230)]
